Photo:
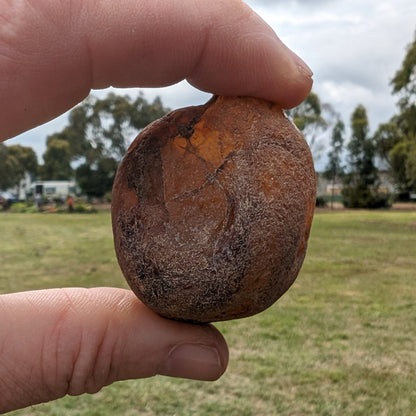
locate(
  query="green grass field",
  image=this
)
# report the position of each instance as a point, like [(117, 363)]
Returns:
[(342, 341)]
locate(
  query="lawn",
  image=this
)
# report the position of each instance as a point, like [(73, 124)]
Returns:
[(340, 342)]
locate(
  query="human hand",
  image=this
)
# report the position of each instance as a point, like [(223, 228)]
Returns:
[(52, 52)]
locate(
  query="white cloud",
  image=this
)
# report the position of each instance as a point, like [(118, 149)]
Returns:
[(179, 95), (353, 46)]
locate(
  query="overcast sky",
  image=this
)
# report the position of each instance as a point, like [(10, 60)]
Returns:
[(354, 48)]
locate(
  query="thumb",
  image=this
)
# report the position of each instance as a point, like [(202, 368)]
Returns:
[(74, 341)]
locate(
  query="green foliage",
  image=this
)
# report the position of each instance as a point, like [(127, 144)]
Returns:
[(30, 208), (96, 179), (57, 160), (82, 208), (362, 196), (7, 167), (334, 168), (403, 163), (308, 118), (75, 133), (22, 208), (320, 202), (14, 162), (405, 79), (118, 118), (386, 137), (411, 164), (361, 182), (103, 128), (396, 140), (308, 113), (97, 137), (26, 158)]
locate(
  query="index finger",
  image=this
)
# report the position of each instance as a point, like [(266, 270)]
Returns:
[(53, 52)]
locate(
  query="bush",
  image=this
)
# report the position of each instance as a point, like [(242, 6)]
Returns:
[(107, 196), (23, 207), (364, 197), (84, 209), (29, 208), (405, 196), (320, 202)]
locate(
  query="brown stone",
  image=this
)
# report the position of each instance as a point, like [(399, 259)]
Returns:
[(212, 207)]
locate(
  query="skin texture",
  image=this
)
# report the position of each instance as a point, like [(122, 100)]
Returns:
[(212, 207), (51, 54)]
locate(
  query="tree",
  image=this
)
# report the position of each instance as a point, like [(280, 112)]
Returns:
[(117, 119), (15, 161), (313, 118), (104, 127), (361, 183), (57, 158), (99, 133), (8, 166), (75, 134), (307, 117), (96, 179), (361, 151), (403, 163), (334, 168), (404, 80), (396, 140), (27, 160), (386, 137)]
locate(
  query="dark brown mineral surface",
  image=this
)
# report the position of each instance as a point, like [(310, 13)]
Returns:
[(212, 207)]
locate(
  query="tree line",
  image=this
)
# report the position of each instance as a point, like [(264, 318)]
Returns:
[(90, 147)]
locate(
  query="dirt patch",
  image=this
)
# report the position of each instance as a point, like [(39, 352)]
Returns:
[(404, 206), (102, 206)]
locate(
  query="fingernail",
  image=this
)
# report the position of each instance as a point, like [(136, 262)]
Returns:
[(194, 361), (302, 66), (305, 70)]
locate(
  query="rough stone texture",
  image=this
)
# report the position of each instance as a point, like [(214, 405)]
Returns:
[(212, 207)]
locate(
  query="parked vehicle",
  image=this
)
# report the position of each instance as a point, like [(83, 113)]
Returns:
[(6, 199)]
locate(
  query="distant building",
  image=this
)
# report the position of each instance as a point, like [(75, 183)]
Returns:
[(333, 189), (326, 187), (53, 189), (29, 187)]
